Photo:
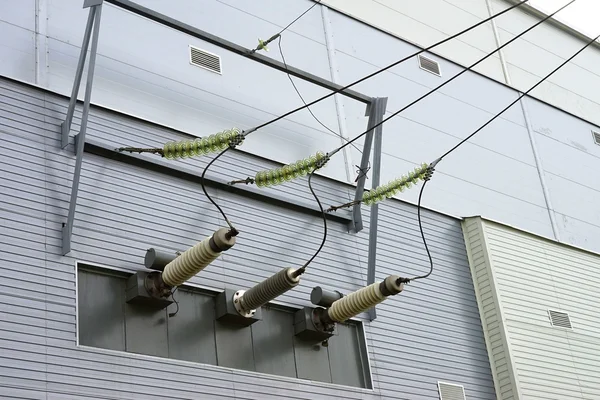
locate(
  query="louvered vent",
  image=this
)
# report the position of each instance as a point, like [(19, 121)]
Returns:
[(596, 137), (429, 65), (204, 59), (449, 391), (560, 319)]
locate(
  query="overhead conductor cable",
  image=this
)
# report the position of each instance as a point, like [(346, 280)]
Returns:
[(202, 254), (425, 170), (367, 297), (479, 130)]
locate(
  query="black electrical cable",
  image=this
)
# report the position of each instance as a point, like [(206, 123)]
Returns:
[(175, 301), (303, 268), (278, 34), (518, 98), (231, 227), (360, 170), (423, 236), (470, 67), (299, 16), (386, 68), (479, 130), (247, 132)]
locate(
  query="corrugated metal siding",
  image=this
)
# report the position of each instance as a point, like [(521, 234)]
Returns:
[(490, 309), (533, 275), (431, 332)]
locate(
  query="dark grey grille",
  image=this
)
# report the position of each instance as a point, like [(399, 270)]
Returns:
[(429, 65), (204, 59), (560, 319), (596, 137)]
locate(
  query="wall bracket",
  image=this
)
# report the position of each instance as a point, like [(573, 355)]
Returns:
[(376, 112), (92, 31)]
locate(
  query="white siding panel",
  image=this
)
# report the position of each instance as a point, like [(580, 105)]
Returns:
[(533, 275), (417, 23), (17, 50)]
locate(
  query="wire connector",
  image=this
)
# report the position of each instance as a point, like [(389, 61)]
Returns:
[(247, 181), (430, 170), (262, 44), (140, 150)]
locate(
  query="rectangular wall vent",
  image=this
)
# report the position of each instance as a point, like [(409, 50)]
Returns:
[(204, 59), (449, 391), (596, 136), (429, 65), (560, 319)]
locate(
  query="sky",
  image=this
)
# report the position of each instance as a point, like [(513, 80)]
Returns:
[(582, 15)]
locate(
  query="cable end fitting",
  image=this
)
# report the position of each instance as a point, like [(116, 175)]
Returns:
[(247, 181), (223, 239), (401, 280), (391, 286), (430, 170), (231, 233), (298, 272)]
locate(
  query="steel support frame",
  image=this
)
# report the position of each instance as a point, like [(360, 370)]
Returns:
[(376, 112), (234, 48), (92, 31)]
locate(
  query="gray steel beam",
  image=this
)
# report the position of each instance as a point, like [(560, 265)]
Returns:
[(375, 111), (175, 170), (94, 18), (375, 182), (235, 48), (65, 127)]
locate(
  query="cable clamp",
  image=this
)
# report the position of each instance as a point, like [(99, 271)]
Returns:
[(236, 140), (262, 44), (322, 161), (361, 172), (430, 170)]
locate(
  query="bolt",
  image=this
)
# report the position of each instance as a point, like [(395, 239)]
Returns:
[(235, 301)]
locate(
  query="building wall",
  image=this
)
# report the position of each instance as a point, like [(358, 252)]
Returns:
[(532, 275), (574, 89), (429, 333), (143, 70)]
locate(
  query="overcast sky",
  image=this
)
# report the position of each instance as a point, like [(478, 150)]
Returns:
[(583, 15)]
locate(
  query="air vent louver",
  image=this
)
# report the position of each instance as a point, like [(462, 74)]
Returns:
[(204, 59), (429, 65), (560, 319), (449, 391), (596, 137)]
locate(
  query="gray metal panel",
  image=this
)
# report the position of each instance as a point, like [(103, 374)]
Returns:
[(101, 302), (146, 330), (273, 343), (346, 366), (428, 333), (192, 329), (312, 361), (234, 346)]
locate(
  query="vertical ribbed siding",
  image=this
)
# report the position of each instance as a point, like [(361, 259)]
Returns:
[(489, 308), (429, 333), (535, 275), (528, 276)]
